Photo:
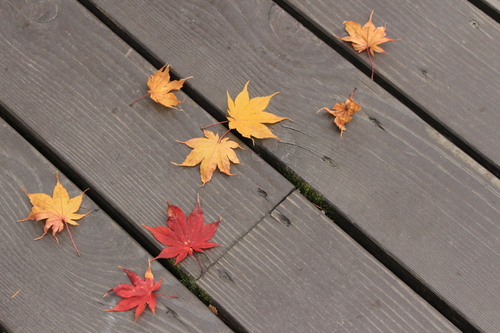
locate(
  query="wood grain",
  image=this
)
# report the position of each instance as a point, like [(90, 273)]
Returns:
[(298, 272), (406, 186), (446, 60), (70, 81), (61, 292)]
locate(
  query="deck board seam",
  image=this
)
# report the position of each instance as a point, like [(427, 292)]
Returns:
[(487, 9), (248, 231), (215, 112), (44, 149), (347, 54), (386, 84), (374, 249)]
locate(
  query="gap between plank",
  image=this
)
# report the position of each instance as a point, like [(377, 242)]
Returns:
[(486, 8), (98, 198), (393, 90), (3, 329), (384, 258), (372, 247), (75, 177)]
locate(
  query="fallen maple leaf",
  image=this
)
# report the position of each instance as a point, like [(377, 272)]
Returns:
[(343, 112), (211, 152), (366, 38), (58, 210), (213, 309), (247, 115), (160, 87), (137, 294), (182, 237)]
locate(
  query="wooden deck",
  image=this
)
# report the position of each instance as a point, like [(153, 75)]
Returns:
[(410, 241)]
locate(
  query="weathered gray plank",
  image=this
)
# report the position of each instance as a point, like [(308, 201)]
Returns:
[(446, 60), (61, 292), (70, 79), (298, 272), (403, 184), (102, 134)]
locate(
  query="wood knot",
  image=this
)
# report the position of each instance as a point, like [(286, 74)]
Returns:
[(278, 216), (262, 193), (223, 275), (474, 23)]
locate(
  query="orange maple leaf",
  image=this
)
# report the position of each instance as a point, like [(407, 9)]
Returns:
[(211, 152), (247, 115), (160, 88), (343, 112), (366, 38), (57, 210)]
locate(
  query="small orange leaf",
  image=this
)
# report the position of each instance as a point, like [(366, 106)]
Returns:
[(366, 38), (247, 115), (57, 210), (160, 87), (343, 112), (211, 152)]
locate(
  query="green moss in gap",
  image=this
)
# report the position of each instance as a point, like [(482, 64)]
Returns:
[(308, 192), (189, 283)]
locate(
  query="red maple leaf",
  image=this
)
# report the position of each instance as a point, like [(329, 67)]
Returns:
[(182, 237), (137, 294)]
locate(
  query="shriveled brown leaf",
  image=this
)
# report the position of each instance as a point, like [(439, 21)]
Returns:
[(343, 112)]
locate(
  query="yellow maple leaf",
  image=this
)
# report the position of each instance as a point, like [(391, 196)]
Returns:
[(57, 210), (366, 38), (212, 153), (247, 115)]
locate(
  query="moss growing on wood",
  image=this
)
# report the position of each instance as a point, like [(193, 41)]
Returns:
[(188, 281), (308, 192)]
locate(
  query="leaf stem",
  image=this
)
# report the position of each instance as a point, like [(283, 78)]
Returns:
[(199, 262), (166, 295), (223, 135), (371, 62), (352, 94), (327, 109), (138, 99), (220, 122), (71, 237)]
